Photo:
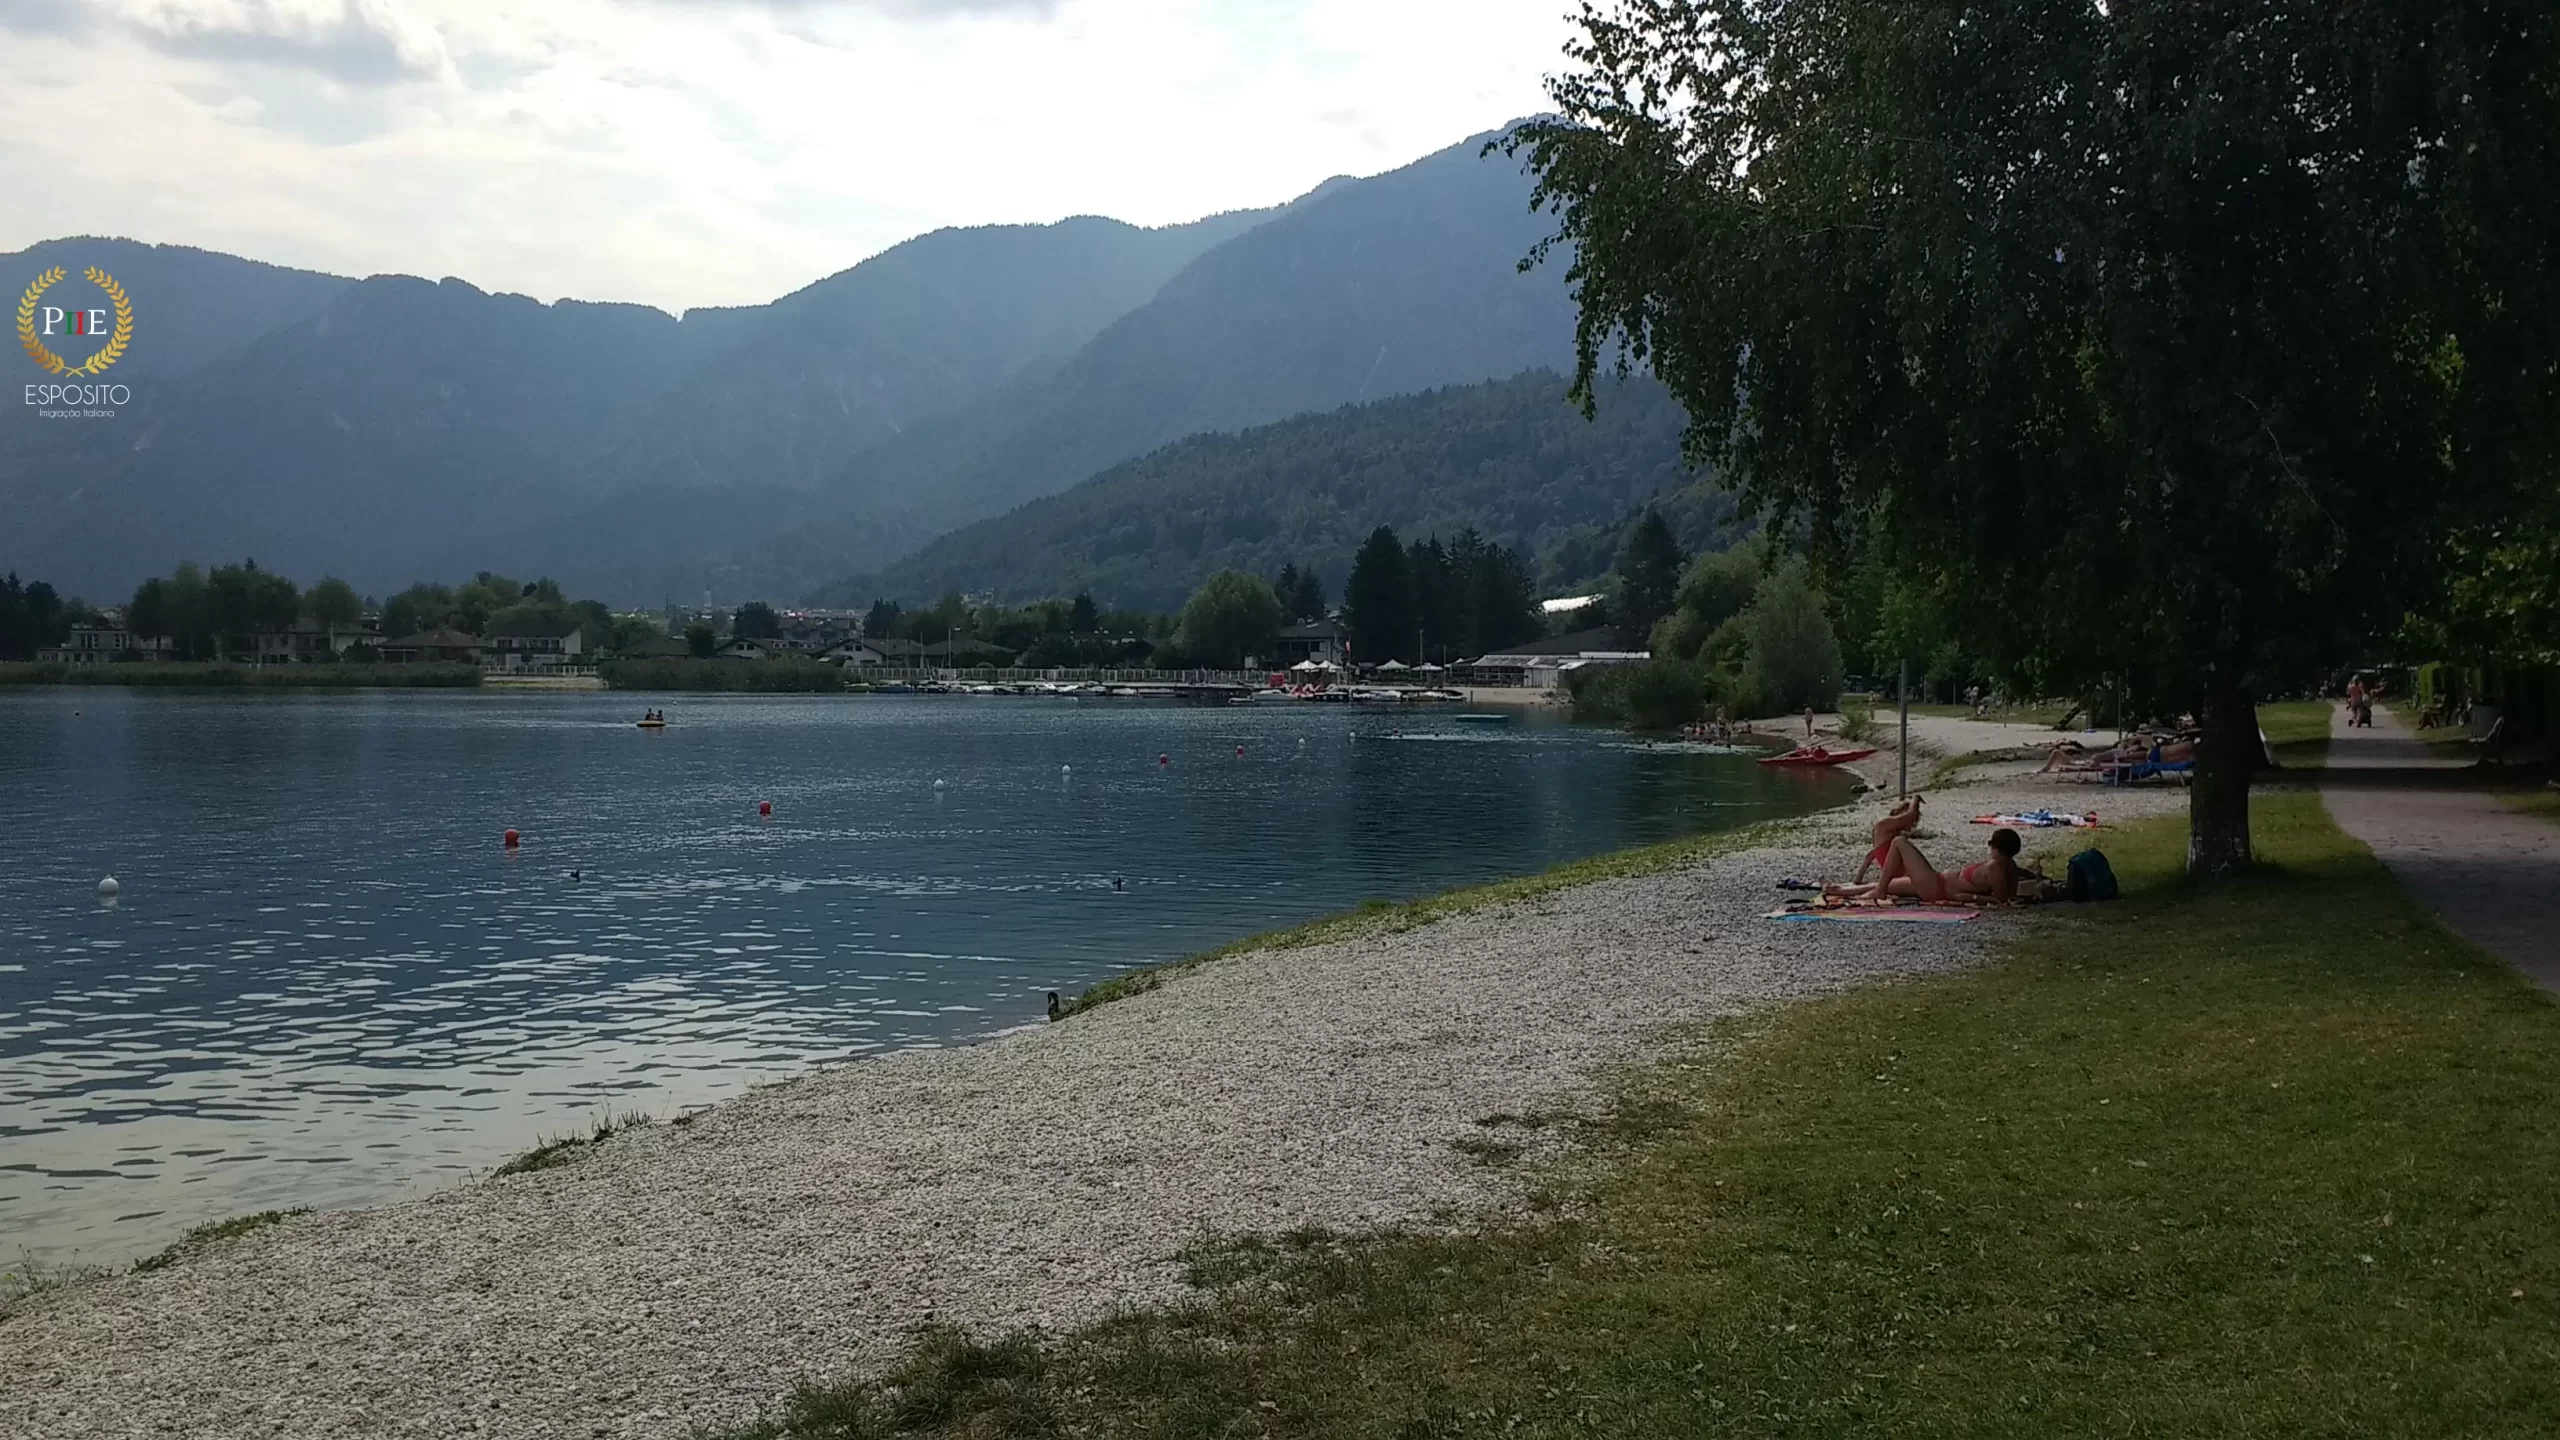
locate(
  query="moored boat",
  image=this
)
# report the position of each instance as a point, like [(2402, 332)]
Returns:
[(1816, 755)]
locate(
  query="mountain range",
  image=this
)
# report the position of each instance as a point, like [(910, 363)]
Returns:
[(393, 428), (1509, 459)]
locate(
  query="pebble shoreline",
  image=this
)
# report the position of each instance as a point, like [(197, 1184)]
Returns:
[(679, 1278)]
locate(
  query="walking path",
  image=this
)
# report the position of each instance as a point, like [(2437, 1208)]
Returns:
[(2493, 873)]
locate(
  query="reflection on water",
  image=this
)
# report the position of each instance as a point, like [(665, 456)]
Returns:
[(326, 982)]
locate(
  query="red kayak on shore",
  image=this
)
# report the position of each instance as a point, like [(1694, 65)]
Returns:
[(1816, 755)]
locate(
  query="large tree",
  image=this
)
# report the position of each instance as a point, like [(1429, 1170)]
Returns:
[(333, 602), (1230, 618), (1647, 578), (1377, 601), (2171, 339)]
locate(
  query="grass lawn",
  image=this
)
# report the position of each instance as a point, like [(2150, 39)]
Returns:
[(2047, 714), (2544, 802), (2299, 731), (2268, 1160)]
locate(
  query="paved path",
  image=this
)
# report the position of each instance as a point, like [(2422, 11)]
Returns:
[(2492, 872)]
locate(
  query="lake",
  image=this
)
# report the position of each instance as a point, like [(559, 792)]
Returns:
[(326, 982)]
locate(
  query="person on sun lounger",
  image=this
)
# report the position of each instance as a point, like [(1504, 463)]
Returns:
[(1896, 821), (1991, 880)]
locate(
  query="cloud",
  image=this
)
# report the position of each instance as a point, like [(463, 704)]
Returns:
[(901, 9), (354, 42), (46, 17), (691, 152)]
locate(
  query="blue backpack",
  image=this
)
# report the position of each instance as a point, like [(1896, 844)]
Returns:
[(2091, 877)]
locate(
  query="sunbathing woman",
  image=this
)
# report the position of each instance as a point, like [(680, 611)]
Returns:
[(1992, 880), (1896, 821)]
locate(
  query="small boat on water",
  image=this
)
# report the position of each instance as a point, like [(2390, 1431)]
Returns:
[(651, 724), (1484, 718), (1816, 755)]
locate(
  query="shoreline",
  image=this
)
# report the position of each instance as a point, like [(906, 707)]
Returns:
[(686, 1273)]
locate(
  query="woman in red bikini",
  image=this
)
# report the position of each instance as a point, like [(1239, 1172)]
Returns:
[(1895, 822), (1993, 879)]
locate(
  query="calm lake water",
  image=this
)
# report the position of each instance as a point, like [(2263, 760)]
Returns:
[(327, 983)]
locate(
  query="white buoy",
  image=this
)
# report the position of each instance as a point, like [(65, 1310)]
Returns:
[(108, 889), (1066, 769), (938, 784)]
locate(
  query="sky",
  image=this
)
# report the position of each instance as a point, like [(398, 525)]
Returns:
[(698, 152)]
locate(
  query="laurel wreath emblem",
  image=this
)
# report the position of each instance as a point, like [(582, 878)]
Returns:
[(54, 364)]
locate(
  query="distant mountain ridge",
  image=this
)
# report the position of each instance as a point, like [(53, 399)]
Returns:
[(1511, 459), (395, 428)]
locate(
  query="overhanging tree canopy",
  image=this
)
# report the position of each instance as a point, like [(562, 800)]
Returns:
[(2170, 338)]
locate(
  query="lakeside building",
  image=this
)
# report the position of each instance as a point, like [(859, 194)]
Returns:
[(535, 645), (106, 641), (1544, 664), (656, 647), (434, 645), (1322, 641), (308, 641)]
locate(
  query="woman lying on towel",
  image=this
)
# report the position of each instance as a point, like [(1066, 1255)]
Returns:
[(1995, 879)]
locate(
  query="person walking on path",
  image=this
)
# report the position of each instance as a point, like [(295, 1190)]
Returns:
[(2493, 873)]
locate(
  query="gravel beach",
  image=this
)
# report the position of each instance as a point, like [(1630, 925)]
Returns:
[(684, 1275)]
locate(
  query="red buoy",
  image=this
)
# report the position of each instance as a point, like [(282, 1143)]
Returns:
[(1239, 752), (1164, 759), (513, 839), (765, 808)]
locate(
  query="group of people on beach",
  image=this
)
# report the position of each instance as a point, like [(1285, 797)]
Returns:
[(2142, 747)]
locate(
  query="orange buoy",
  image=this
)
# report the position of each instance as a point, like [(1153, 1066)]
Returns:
[(765, 808), (513, 839)]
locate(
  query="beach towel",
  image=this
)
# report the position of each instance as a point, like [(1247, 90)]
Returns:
[(1882, 915), (2041, 820)]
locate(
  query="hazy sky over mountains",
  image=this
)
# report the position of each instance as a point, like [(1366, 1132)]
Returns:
[(690, 152)]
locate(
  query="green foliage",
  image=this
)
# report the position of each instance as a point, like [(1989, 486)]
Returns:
[(1430, 601), (1509, 459), (242, 601), (2167, 349), (1647, 579), (701, 639), (1655, 695), (223, 676), (624, 631), (551, 1154), (332, 602), (783, 674), (1717, 588), (1794, 659), (214, 1233), (1377, 602), (31, 618), (1082, 617), (755, 620), (1301, 595), (1230, 617)]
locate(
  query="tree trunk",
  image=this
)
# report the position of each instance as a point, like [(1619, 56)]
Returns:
[(2218, 802)]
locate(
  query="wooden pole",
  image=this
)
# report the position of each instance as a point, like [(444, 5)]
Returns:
[(1902, 690)]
